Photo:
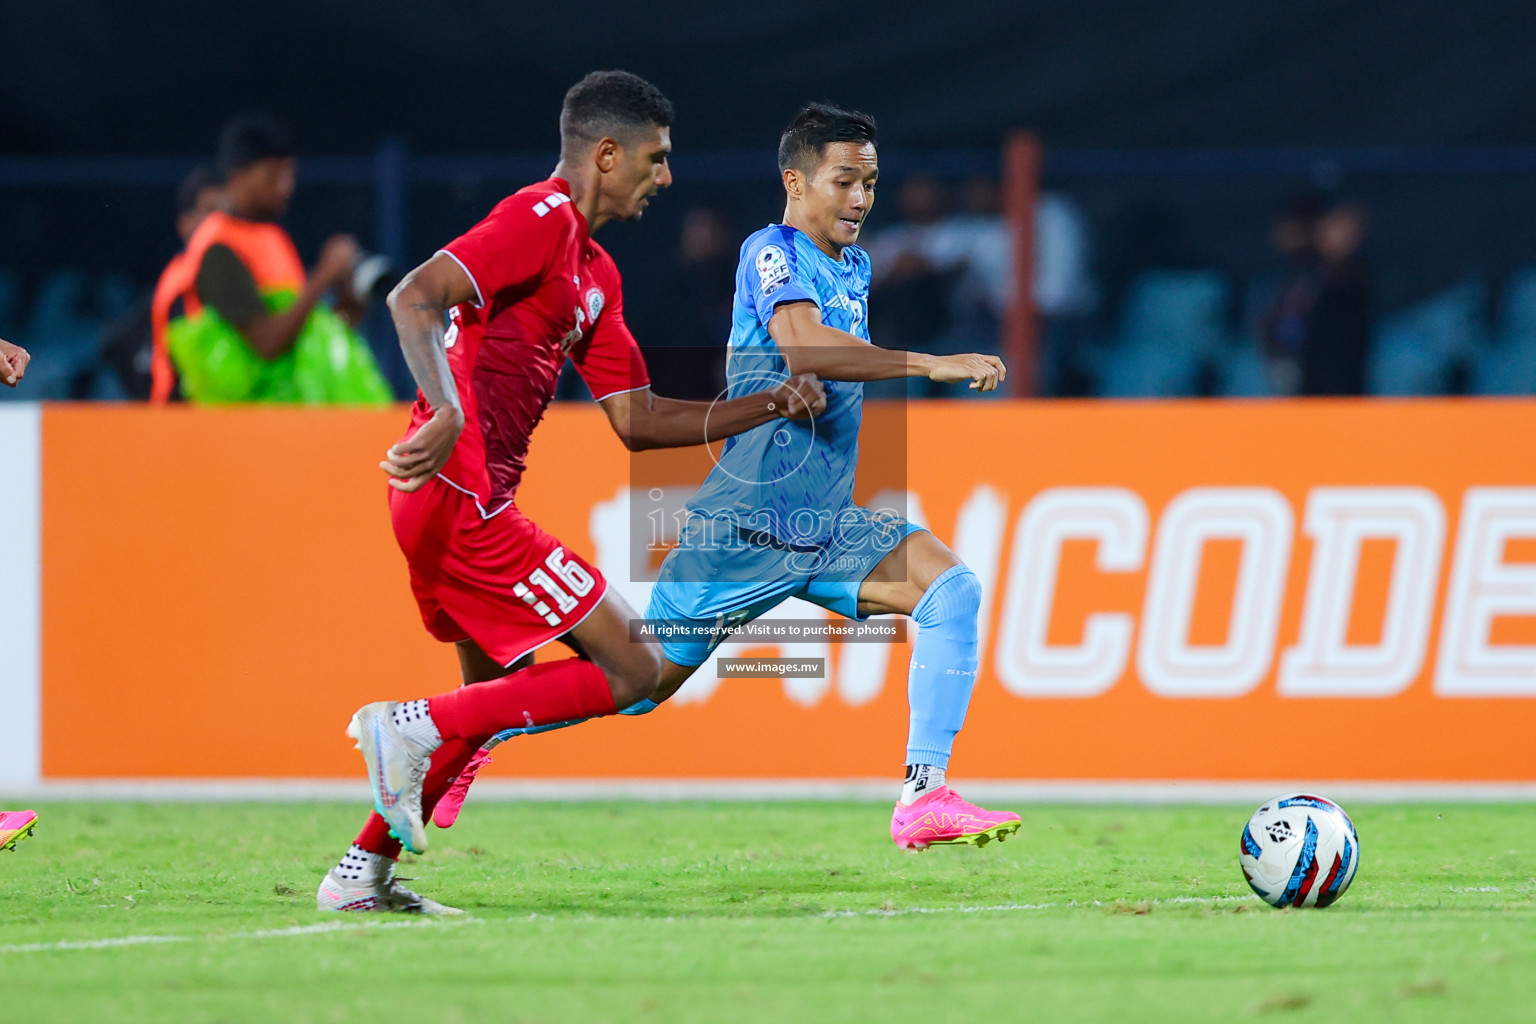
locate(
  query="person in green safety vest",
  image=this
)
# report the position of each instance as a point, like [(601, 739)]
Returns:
[(255, 328)]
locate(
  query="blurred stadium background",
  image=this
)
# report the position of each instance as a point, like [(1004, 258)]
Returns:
[(1190, 600), (1170, 137), (1112, 196)]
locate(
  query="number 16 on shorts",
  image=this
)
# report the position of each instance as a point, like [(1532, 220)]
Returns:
[(561, 581)]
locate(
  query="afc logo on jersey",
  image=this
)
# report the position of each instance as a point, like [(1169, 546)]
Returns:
[(772, 268)]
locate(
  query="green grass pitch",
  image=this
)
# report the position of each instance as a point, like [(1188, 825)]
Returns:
[(744, 912)]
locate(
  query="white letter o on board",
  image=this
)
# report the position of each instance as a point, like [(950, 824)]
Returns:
[(1262, 520)]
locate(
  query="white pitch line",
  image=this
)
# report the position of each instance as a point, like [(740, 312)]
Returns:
[(343, 926), (126, 940), (264, 933)]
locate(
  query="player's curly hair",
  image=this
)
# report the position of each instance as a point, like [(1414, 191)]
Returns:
[(610, 104), (817, 126)]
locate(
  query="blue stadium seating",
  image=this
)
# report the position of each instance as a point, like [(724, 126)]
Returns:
[(1507, 365), (1242, 373), (62, 332), (1173, 331), (1416, 348), (1172, 323)]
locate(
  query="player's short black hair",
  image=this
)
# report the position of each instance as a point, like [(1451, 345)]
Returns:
[(250, 138), (610, 104), (818, 125), (203, 176)]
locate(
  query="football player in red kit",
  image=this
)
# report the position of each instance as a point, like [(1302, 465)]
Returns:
[(521, 292)]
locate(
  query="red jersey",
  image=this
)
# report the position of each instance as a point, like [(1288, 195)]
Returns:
[(544, 291)]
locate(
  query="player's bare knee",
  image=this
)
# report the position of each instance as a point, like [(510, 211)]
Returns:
[(637, 678), (673, 676), (627, 689)]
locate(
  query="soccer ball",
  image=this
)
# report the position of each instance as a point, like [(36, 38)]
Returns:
[(1299, 850)]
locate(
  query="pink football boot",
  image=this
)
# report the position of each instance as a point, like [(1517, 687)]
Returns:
[(15, 826), (447, 810), (943, 818)]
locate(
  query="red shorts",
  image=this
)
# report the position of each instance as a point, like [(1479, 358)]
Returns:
[(501, 582)]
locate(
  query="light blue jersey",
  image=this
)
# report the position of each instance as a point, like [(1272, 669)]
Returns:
[(775, 518), (788, 478)]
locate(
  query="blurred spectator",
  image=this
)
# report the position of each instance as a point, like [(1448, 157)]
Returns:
[(133, 345), (1336, 350), (911, 278), (254, 329), (1294, 236), (951, 279), (977, 246), (978, 241), (1066, 296), (1317, 332), (688, 318)]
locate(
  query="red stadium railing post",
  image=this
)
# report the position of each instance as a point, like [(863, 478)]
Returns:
[(1022, 154)]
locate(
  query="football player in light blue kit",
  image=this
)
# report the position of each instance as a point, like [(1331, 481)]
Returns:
[(776, 519)]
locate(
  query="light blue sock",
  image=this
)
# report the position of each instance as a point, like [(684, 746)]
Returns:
[(644, 706), (943, 669)]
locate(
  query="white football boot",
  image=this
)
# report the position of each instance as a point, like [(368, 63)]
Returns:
[(378, 891), (397, 768)]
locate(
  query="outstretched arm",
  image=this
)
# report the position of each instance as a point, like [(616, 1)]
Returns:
[(643, 419), (226, 284), (419, 304), (810, 346)]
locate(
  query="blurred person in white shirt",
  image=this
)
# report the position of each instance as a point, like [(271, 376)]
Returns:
[(911, 280), (971, 251)]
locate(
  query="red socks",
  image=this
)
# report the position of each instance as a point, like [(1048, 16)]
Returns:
[(375, 838), (556, 691), (447, 761)]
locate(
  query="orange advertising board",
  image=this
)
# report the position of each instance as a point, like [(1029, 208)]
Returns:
[(1202, 591)]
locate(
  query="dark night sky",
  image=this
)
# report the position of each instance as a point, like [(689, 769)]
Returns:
[(78, 76)]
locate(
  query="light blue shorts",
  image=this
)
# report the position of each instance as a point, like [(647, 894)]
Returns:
[(731, 576)]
